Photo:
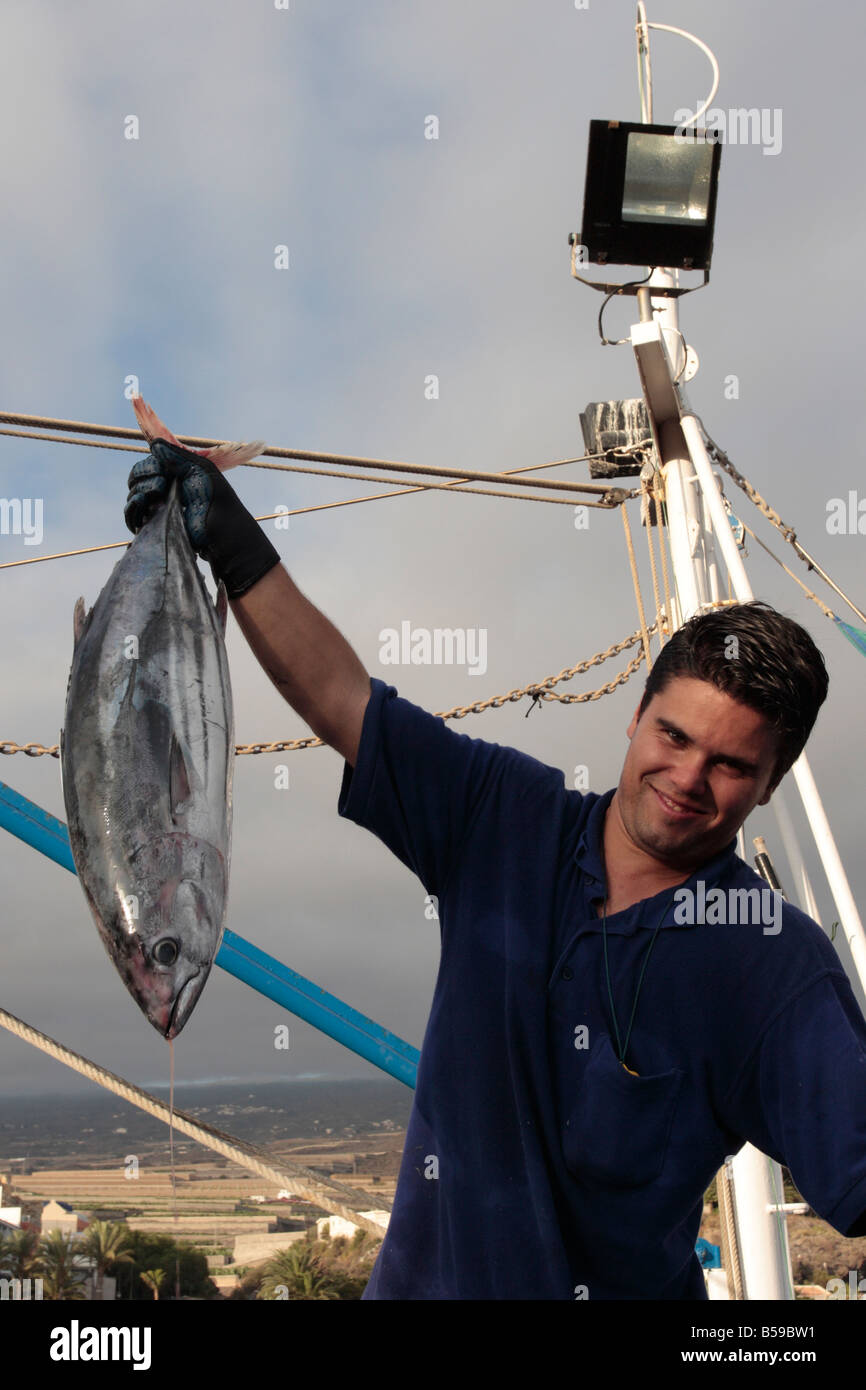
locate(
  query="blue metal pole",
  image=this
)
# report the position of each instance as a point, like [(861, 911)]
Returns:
[(325, 1011), (241, 958), (35, 826)]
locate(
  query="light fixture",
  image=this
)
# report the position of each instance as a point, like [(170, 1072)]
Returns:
[(650, 196)]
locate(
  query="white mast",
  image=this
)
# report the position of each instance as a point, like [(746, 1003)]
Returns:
[(696, 516)]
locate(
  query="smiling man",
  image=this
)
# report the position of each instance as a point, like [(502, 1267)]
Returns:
[(700, 759), (592, 1054), (698, 764)]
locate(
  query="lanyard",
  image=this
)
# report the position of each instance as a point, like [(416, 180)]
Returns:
[(623, 1046)]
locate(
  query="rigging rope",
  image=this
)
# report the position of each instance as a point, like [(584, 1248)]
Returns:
[(609, 497), (648, 502), (730, 1241), (637, 593), (389, 465), (615, 497), (324, 506), (720, 457), (661, 513), (304, 1182), (828, 612), (321, 507)]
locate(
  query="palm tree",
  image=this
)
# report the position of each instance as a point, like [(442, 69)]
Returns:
[(21, 1253), (60, 1279), (299, 1272), (152, 1278), (106, 1242)]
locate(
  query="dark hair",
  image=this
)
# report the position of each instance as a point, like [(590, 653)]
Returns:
[(773, 666)]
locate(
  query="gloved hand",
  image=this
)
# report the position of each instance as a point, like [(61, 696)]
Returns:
[(220, 528)]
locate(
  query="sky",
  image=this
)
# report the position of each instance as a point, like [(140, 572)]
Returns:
[(153, 258)]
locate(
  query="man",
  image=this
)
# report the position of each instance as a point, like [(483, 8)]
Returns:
[(621, 1001)]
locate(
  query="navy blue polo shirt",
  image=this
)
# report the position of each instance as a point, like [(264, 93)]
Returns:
[(535, 1165)]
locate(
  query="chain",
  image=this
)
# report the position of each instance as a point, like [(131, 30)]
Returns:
[(720, 457), (33, 750), (541, 690)]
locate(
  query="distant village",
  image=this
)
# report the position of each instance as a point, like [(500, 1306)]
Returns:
[(216, 1233)]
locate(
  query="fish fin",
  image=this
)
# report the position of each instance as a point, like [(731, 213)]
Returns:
[(80, 621), (179, 789), (225, 456), (222, 606)]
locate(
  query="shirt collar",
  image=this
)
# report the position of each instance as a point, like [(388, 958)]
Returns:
[(589, 857)]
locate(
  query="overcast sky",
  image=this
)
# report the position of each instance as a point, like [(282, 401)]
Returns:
[(408, 257)]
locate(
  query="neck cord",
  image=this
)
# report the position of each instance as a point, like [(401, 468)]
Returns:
[(623, 1046)]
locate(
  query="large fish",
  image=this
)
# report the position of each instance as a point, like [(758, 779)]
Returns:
[(147, 755)]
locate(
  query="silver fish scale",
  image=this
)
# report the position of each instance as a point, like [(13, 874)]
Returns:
[(147, 757)]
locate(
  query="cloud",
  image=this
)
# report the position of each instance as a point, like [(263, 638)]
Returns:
[(407, 257)]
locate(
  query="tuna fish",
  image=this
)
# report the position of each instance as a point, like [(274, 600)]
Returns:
[(147, 755)]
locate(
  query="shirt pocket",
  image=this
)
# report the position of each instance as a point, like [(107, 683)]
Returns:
[(617, 1129)]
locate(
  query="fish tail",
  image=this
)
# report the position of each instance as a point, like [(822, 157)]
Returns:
[(225, 456), (150, 424)]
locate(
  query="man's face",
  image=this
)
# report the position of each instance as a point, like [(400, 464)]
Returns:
[(698, 763)]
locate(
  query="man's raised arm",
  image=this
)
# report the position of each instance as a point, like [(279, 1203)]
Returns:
[(308, 660)]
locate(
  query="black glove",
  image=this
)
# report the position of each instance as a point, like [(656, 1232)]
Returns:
[(220, 528)]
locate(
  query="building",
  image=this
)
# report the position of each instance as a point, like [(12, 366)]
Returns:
[(60, 1216), (335, 1226)]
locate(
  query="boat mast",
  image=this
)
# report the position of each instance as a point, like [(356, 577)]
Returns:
[(697, 522)]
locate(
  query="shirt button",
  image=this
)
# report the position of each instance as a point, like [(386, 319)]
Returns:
[(567, 973)]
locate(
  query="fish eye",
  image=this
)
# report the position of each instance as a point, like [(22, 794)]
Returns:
[(165, 952)]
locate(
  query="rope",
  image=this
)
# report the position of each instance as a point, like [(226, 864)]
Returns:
[(454, 485), (610, 494), (360, 477), (321, 507), (729, 1239), (539, 690), (347, 502), (661, 513), (636, 582), (828, 612), (194, 441), (650, 503), (302, 1181), (721, 458)]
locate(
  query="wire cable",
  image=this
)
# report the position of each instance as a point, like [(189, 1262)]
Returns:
[(369, 497), (684, 34), (644, 65), (198, 442), (629, 284)]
